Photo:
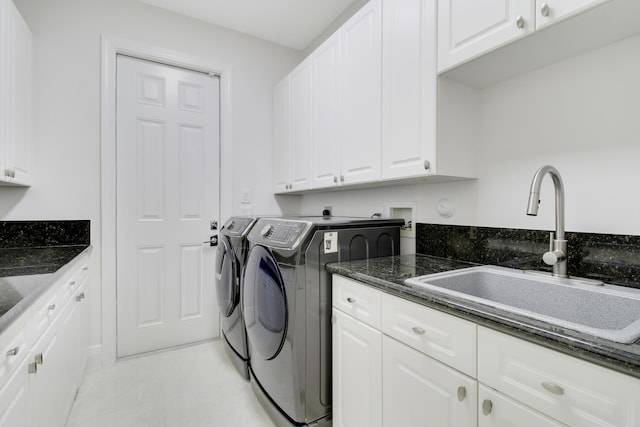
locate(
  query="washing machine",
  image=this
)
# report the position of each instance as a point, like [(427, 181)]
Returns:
[(286, 304), (230, 258)]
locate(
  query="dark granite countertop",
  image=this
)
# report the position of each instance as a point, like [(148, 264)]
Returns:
[(26, 273), (388, 274)]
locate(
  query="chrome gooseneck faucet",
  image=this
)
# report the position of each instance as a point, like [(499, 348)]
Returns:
[(557, 255)]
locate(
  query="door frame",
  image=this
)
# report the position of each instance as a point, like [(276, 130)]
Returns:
[(111, 47)]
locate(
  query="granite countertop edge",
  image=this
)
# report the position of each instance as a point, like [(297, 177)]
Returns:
[(387, 275), (42, 283)]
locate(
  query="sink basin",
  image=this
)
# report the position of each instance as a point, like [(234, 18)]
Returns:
[(610, 312)]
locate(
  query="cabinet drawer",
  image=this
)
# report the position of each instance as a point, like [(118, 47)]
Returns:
[(568, 389), (444, 337), (45, 310), (497, 410), (72, 281), (360, 301), (14, 347)]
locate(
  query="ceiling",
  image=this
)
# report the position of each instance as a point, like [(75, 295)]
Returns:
[(292, 23)]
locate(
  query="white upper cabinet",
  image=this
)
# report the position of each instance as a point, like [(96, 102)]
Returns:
[(551, 11), (409, 97), (325, 140), (481, 43), (15, 96), (292, 131), (300, 131), (281, 136), (470, 28), (361, 101)]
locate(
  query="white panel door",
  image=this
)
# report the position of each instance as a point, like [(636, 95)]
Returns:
[(420, 391), (469, 28), (357, 373), (361, 102), (326, 113), (300, 126), (167, 194), (408, 87), (550, 11), (281, 154)]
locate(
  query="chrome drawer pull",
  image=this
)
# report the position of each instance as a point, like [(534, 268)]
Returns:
[(80, 297), (351, 300), (487, 406), (553, 388), (72, 283), (39, 359), (51, 307), (33, 368), (462, 393), (13, 352), (418, 330)]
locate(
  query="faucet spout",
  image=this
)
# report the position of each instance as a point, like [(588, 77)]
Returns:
[(557, 255)]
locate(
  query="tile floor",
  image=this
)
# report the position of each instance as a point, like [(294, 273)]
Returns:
[(188, 387)]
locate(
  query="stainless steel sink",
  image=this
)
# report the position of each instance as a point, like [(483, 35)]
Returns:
[(610, 312)]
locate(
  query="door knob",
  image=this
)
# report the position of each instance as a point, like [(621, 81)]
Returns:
[(213, 240)]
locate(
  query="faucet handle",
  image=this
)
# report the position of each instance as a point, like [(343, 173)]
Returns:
[(553, 257), (557, 251)]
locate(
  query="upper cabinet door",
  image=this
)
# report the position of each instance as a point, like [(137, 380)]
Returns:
[(281, 136), (300, 126), (408, 87), (361, 38), (551, 11), (15, 96), (469, 28), (325, 141)]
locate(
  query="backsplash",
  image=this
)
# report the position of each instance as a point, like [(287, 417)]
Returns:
[(611, 258), (38, 247), (20, 234)]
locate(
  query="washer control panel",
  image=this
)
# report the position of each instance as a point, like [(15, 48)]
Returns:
[(238, 225), (278, 232)]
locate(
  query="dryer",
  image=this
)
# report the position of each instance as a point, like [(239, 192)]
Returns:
[(286, 303), (230, 258)]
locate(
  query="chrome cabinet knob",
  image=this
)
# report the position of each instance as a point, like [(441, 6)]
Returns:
[(553, 388), (38, 359), (487, 406), (520, 22), (544, 10), (427, 165), (418, 330), (351, 300), (462, 393)]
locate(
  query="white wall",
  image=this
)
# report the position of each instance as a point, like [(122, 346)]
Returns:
[(581, 115), (66, 159)]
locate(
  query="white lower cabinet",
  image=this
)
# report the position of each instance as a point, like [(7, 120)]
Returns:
[(45, 352), (397, 363), (357, 372), (567, 389), (14, 399), (419, 391)]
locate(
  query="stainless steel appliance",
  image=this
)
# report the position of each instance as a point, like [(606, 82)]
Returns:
[(286, 303), (230, 258)]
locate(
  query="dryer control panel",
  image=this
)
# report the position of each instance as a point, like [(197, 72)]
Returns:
[(279, 233)]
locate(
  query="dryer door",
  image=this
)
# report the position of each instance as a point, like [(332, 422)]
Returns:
[(226, 278), (264, 304)]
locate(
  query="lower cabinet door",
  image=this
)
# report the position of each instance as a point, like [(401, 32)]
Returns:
[(14, 399), (497, 410), (357, 373), (420, 391)]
